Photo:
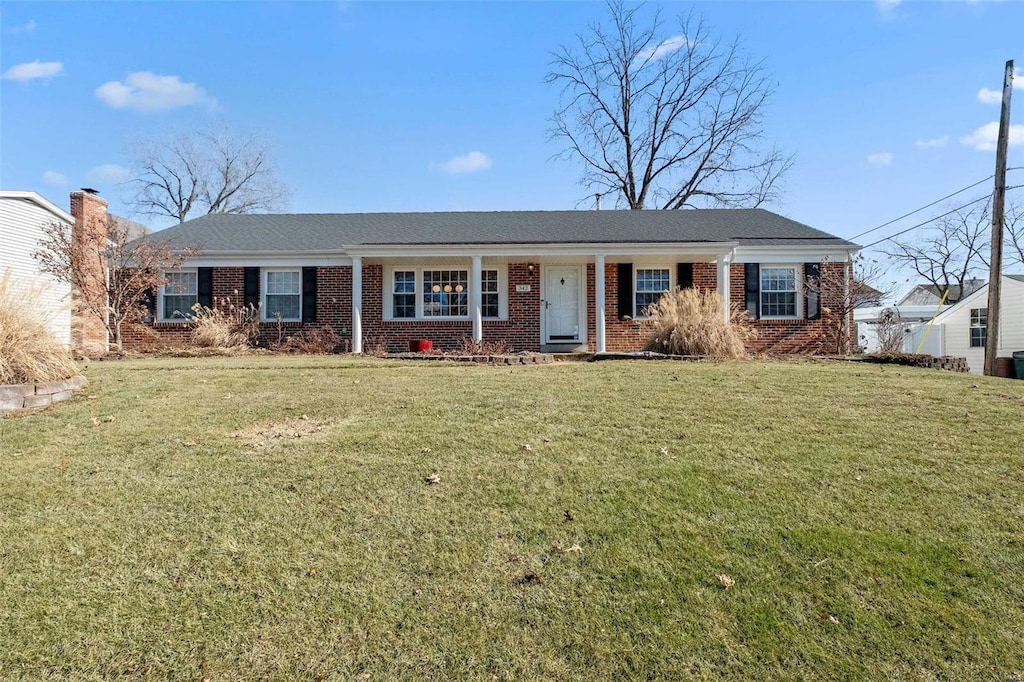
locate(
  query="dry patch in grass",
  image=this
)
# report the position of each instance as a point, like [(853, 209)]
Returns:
[(277, 433)]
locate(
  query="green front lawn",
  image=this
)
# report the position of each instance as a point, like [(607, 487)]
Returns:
[(268, 518)]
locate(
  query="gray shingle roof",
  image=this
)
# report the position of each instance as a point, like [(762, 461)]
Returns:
[(334, 231)]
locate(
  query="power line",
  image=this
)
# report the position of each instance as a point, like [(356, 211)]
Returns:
[(937, 201), (930, 220)]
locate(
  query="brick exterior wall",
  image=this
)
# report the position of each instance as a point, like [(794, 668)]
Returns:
[(334, 308), (520, 332), (88, 333)]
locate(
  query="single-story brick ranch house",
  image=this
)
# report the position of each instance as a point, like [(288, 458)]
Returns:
[(535, 280)]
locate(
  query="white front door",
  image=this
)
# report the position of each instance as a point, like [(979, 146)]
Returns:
[(562, 304)]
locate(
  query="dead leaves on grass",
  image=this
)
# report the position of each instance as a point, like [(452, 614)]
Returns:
[(432, 479), (725, 581)]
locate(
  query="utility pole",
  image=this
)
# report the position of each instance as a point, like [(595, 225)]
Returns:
[(998, 202)]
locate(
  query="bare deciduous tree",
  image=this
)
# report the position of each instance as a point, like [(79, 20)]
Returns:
[(951, 252), (210, 171), (111, 274), (841, 288), (671, 121), (955, 249)]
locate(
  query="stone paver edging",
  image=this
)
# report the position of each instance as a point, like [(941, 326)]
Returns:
[(29, 396)]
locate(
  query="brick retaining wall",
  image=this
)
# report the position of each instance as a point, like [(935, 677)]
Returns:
[(28, 396)]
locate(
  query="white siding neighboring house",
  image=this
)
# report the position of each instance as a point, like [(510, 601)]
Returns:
[(23, 215), (959, 328)]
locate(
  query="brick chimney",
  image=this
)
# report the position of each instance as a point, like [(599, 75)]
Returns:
[(88, 334)]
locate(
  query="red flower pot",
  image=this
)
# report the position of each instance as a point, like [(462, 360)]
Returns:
[(421, 346)]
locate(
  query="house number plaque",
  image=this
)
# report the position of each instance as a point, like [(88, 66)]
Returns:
[(522, 288)]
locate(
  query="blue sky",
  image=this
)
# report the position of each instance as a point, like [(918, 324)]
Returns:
[(372, 106)]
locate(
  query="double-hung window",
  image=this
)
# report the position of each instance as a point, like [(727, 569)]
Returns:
[(426, 293), (282, 295), (489, 293), (979, 330), (179, 294), (779, 291), (651, 285), (403, 293)]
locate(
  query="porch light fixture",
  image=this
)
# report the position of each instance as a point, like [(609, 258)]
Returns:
[(530, 267)]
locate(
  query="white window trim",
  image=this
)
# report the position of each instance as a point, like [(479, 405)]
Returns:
[(389, 290), (637, 314), (971, 327), (263, 295), (160, 298), (798, 272)]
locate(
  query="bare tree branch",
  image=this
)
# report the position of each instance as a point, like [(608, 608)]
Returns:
[(955, 249), (662, 120), (109, 272), (209, 171)]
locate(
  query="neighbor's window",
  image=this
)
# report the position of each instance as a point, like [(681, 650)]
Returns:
[(282, 298), (404, 294), (651, 284), (445, 293), (180, 293), (778, 291), (979, 320), (489, 293)]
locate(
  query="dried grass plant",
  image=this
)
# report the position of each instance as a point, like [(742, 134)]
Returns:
[(228, 326), (689, 322), (29, 353)]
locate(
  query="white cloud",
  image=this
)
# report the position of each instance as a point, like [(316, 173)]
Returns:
[(933, 143), (467, 163), (887, 7), (108, 174), (32, 70), (989, 96), (54, 179), (147, 91), (663, 49), (29, 27), (881, 159), (983, 139)]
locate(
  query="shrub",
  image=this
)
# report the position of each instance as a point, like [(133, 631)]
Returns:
[(495, 347), (319, 341), (689, 322), (234, 328), (28, 351)]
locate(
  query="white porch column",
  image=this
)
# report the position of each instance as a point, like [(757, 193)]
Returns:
[(599, 304), (723, 287), (475, 287), (357, 304)]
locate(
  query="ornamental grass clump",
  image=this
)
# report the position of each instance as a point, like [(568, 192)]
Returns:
[(227, 327), (689, 322), (29, 353)]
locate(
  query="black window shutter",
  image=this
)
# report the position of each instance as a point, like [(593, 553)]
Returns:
[(309, 294), (812, 274), (149, 300), (752, 289), (625, 290), (204, 287), (251, 287), (684, 275)]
